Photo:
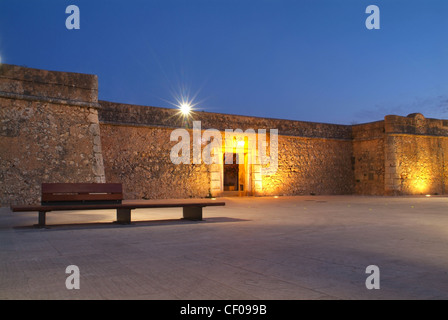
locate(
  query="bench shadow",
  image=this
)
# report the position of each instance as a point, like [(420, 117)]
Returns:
[(136, 223)]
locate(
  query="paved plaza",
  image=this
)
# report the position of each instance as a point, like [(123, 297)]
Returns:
[(304, 247)]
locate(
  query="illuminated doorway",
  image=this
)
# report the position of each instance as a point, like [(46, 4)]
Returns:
[(234, 174), (231, 172)]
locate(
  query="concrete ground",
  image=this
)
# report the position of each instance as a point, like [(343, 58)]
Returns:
[(310, 247)]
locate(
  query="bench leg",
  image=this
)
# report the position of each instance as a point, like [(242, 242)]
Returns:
[(124, 216), (192, 213), (41, 220)]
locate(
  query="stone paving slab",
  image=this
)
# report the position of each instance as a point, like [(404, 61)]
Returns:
[(304, 247)]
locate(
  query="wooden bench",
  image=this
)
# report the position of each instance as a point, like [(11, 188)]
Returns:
[(96, 196)]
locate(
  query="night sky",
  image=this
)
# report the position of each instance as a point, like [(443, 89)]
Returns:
[(311, 60)]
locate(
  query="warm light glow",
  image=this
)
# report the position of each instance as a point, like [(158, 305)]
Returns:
[(275, 197), (184, 102), (428, 195), (185, 108), (420, 185), (240, 143)]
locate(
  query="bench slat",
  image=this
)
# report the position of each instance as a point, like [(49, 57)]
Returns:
[(73, 192), (114, 206), (82, 188), (46, 197)]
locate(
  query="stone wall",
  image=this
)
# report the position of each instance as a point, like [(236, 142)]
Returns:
[(139, 158), (368, 158), (49, 131), (314, 158), (119, 113), (311, 166), (400, 156), (54, 129), (416, 160)]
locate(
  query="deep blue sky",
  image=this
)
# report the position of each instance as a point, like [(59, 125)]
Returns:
[(311, 60)]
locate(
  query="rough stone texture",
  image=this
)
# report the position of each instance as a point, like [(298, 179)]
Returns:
[(311, 166), (46, 140), (53, 129), (416, 160), (164, 117), (305, 165), (417, 165), (416, 123), (401, 155), (48, 84), (318, 165), (139, 158), (368, 158)]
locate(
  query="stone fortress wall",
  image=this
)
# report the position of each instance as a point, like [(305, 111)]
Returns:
[(312, 157), (49, 131), (54, 129)]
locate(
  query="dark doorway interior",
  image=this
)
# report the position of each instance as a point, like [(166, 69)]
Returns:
[(231, 172)]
